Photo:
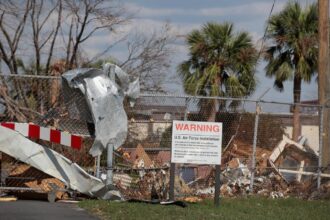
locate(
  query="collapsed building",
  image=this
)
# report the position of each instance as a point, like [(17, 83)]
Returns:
[(289, 169)]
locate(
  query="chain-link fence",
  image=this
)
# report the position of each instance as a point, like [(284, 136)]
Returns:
[(258, 155), (28, 100)]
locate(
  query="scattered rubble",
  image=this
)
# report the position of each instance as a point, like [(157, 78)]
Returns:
[(287, 170), (192, 199), (271, 180), (8, 199), (25, 176), (142, 187), (279, 174)]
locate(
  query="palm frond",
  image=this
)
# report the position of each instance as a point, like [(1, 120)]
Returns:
[(292, 40), (215, 51)]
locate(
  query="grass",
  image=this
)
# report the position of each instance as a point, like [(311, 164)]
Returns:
[(238, 208)]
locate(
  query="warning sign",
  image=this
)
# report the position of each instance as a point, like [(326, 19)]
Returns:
[(196, 142)]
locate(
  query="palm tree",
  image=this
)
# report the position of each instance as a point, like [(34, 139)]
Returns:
[(292, 54), (221, 63)]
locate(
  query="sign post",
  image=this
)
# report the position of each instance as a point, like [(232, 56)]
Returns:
[(198, 143)]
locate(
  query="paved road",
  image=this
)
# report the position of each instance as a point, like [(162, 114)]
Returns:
[(31, 210)]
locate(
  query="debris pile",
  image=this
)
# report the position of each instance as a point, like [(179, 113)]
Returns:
[(290, 169), (152, 182), (25, 176)]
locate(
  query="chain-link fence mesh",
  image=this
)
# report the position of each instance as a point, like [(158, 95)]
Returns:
[(40, 101), (256, 146)]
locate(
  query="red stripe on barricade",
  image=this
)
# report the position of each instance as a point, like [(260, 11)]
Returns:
[(8, 125), (76, 142), (55, 136), (34, 131)]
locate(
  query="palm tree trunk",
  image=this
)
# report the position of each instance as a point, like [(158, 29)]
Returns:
[(296, 132), (215, 102), (213, 110)]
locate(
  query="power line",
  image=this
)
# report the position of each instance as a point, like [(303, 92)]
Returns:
[(259, 54)]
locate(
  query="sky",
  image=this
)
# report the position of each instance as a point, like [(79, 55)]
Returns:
[(185, 16)]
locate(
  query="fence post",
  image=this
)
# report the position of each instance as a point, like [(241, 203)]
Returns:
[(109, 164), (255, 135), (217, 186), (98, 163), (319, 170), (172, 179), (172, 167)]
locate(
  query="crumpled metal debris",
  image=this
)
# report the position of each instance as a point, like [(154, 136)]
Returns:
[(55, 165), (104, 92)]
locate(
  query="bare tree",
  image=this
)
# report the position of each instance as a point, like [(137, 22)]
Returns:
[(13, 18), (149, 57), (37, 36), (40, 15), (39, 23), (86, 18)]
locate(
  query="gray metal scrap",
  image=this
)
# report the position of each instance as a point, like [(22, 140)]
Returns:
[(104, 92)]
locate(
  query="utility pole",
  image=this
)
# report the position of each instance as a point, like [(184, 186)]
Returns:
[(324, 78)]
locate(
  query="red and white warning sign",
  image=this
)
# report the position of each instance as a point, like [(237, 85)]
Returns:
[(196, 142), (47, 134)]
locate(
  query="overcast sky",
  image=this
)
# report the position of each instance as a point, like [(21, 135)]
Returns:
[(186, 15)]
